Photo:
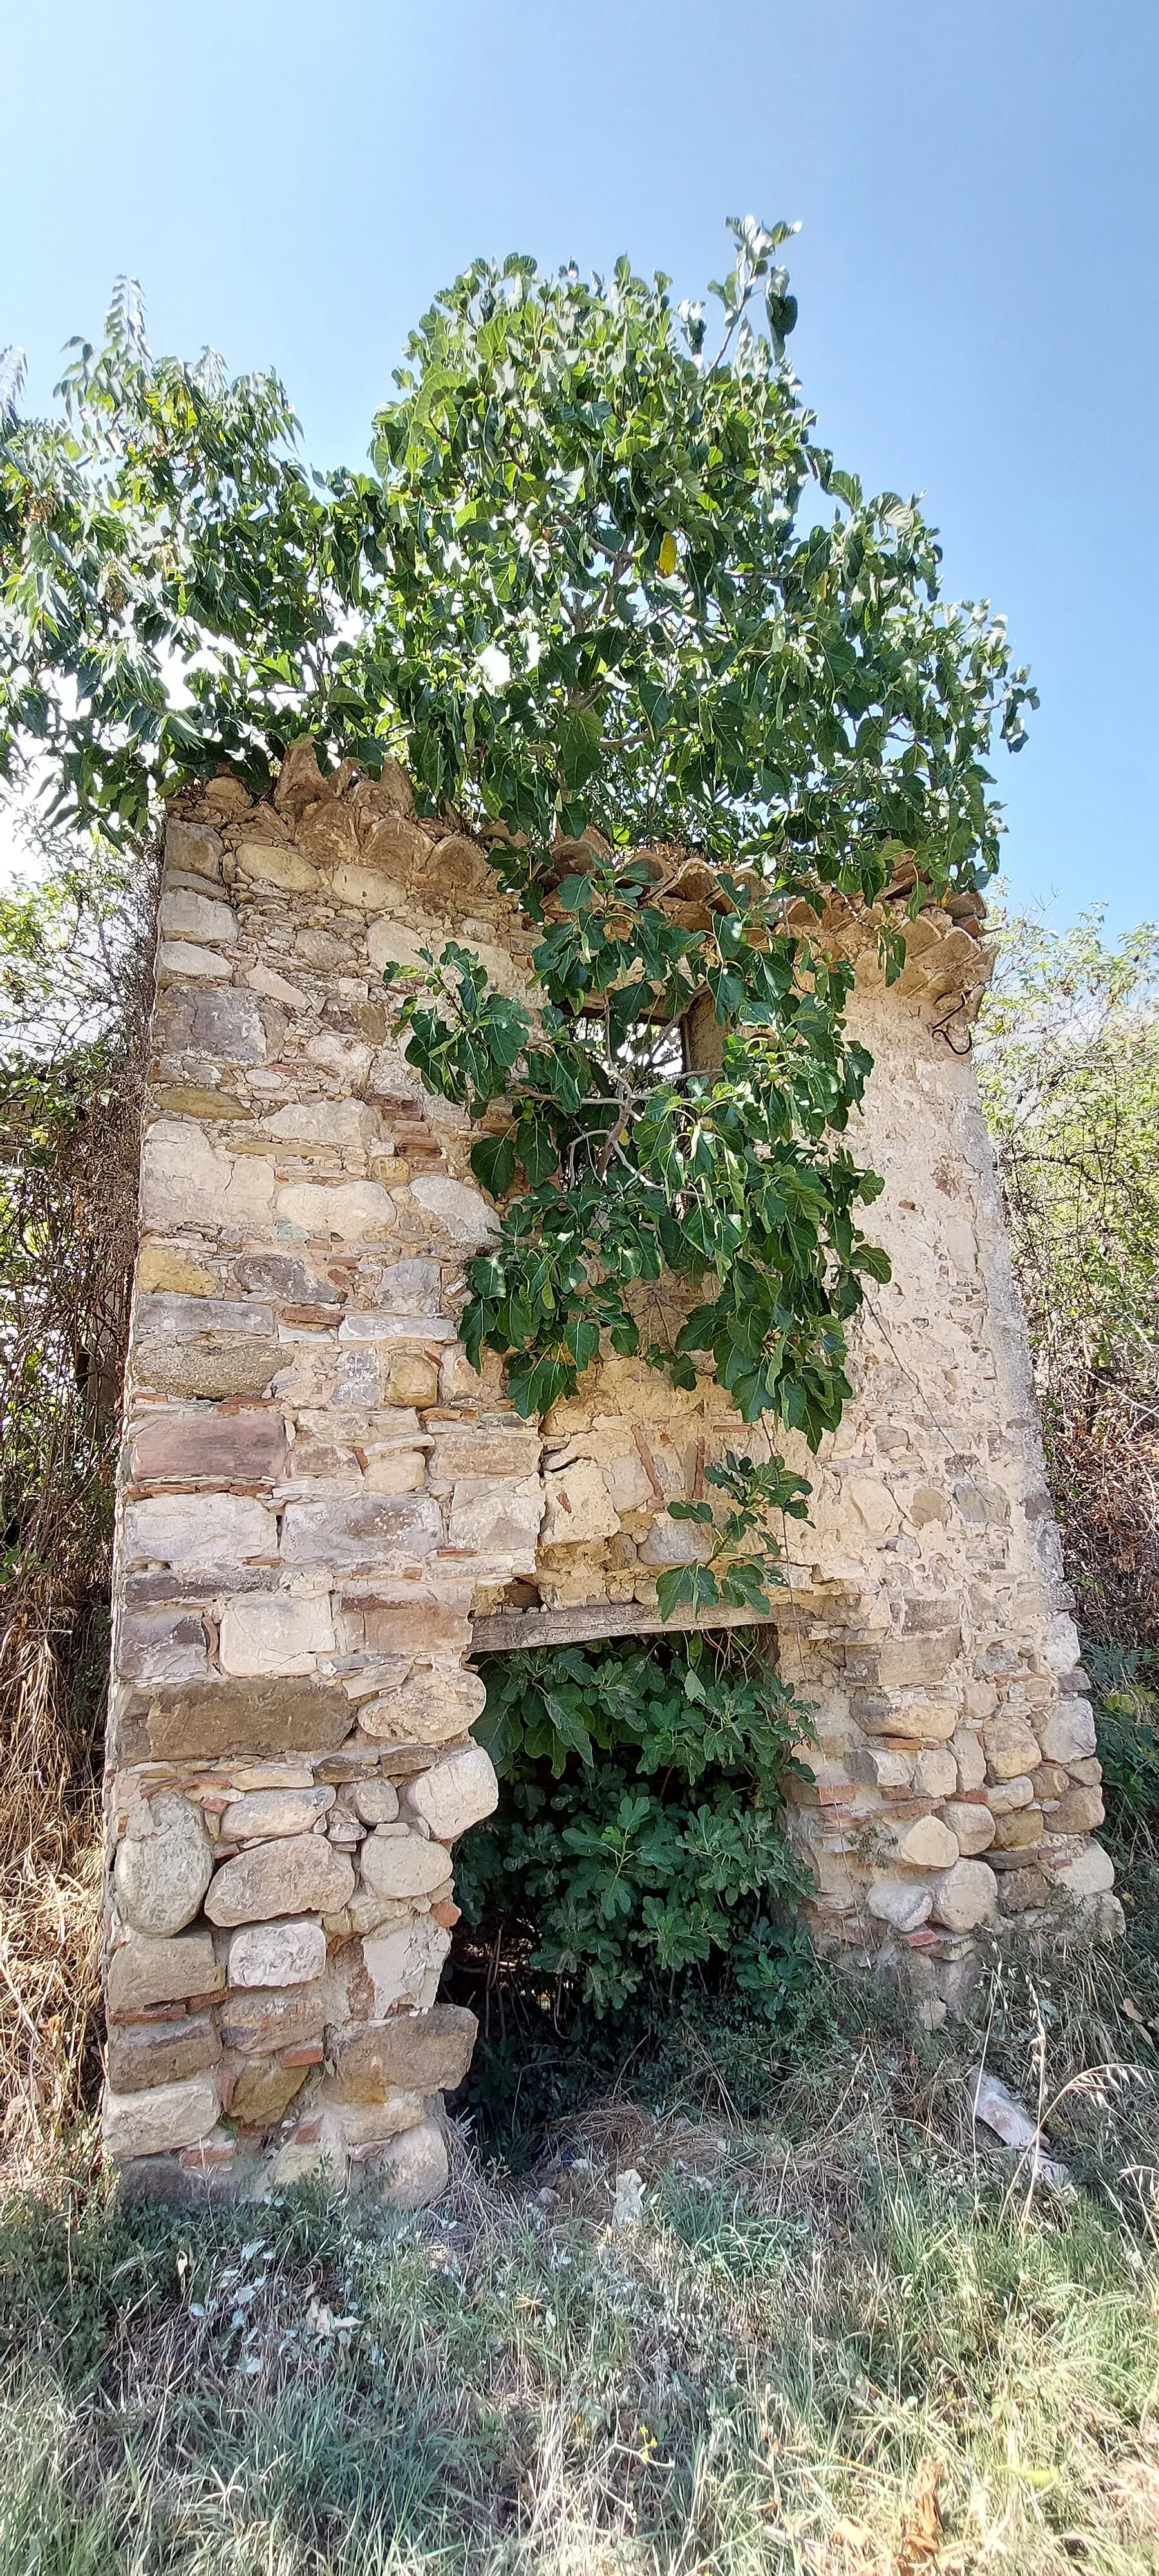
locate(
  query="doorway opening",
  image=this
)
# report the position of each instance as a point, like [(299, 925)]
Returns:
[(633, 1904)]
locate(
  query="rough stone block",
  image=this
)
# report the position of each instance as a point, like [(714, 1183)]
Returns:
[(413, 2170), (320, 1121), (354, 1211), (145, 1971), (404, 1965), (904, 1660), (499, 1517), (409, 1377), (464, 1213), (275, 863), (261, 2090), (1019, 1830), (212, 1530), (185, 915), (902, 1903), (966, 1896), (375, 1802), (468, 1452), (399, 1865), (972, 1824), (225, 1027), (1023, 1891), (578, 1506), (223, 1365), (259, 1717), (1089, 1874), (167, 1646), (970, 1757), (928, 1844), (188, 1180), (194, 848), (268, 2021), (455, 1793), (935, 1773), (364, 1531), (278, 1954), (427, 2052), (161, 2118), (418, 1624), (366, 2125), (145, 2053), (279, 1634), (431, 1708), (178, 959), (299, 1875), (1011, 1746), (1003, 1796), (1078, 1812), (1069, 1732), (161, 1874), (172, 1445)]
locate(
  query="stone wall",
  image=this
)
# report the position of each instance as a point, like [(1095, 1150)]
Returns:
[(323, 1507)]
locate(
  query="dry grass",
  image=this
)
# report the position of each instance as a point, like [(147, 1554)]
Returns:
[(827, 2347)]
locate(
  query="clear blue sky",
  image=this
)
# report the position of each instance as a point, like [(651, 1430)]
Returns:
[(977, 185)]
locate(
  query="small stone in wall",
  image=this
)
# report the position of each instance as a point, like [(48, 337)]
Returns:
[(456, 1793), (1078, 1812), (928, 1844), (1069, 1732), (161, 1874), (404, 1965), (277, 1954), (214, 1531), (429, 2051), (498, 1517), (356, 1211), (904, 1903), (1011, 1747), (265, 2021), (279, 1635), (300, 1875), (1019, 1830), (430, 1708), (412, 2171), (1091, 1873), (161, 2052), (463, 1212), (966, 1896), (261, 2090), (970, 1758), (936, 1772), (263, 1813), (375, 1802), (972, 1824), (1003, 1796), (398, 1864), (578, 1505)]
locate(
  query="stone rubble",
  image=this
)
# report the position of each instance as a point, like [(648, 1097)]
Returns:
[(324, 1508)]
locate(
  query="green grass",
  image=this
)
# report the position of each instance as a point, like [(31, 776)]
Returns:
[(839, 2299), (751, 2378)]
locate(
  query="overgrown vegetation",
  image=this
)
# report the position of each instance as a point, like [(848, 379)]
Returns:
[(842, 2343), (73, 969), (1070, 1079)]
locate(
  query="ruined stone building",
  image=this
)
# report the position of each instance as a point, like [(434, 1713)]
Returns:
[(325, 1511)]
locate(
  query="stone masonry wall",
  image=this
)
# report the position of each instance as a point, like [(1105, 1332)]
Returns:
[(323, 1507)]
